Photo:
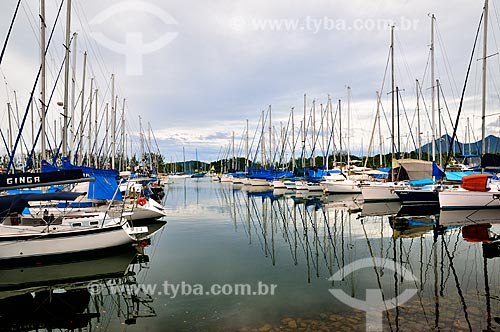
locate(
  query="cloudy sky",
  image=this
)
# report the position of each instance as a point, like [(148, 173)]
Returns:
[(196, 70)]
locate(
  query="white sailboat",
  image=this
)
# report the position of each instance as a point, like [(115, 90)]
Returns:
[(477, 191)]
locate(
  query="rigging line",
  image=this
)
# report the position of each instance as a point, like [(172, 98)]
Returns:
[(407, 121), (498, 23), (11, 164), (449, 116), (463, 93), (56, 154), (5, 143), (403, 55), (446, 61), (29, 17), (285, 141), (253, 141), (87, 31), (8, 33)]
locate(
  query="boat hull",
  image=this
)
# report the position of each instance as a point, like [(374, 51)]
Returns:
[(259, 183), (30, 245), (342, 187), (379, 192), (418, 197), (465, 199)]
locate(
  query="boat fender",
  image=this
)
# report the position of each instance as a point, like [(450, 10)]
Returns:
[(141, 201)]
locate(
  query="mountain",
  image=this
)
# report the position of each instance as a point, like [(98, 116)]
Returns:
[(492, 146)]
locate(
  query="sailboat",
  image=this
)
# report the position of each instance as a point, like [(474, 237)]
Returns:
[(343, 183), (477, 191), (27, 237)]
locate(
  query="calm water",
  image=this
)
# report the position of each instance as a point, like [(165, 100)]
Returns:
[(222, 234)]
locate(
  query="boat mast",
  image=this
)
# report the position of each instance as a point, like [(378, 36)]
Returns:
[(398, 152), (313, 133), (392, 103), (328, 110), (433, 110), (381, 142), (483, 99), (43, 79), (90, 122), (141, 138), (246, 149), (149, 145), (113, 122), (304, 135), (340, 131), (262, 148), (293, 143), (10, 143), (439, 123), (348, 127), (323, 136), (122, 139), (66, 82), (73, 91), (271, 159), (95, 130), (232, 153), (419, 136), (107, 133), (82, 109)]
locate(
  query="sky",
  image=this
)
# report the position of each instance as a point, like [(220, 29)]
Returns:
[(195, 71)]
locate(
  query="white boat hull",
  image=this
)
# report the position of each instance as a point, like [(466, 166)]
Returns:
[(380, 192), (259, 183), (316, 187), (278, 184), (19, 243), (465, 199), (342, 187)]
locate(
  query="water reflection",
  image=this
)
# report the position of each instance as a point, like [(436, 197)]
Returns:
[(92, 292), (453, 254)]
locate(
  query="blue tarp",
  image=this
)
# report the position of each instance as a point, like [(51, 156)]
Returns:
[(104, 188), (380, 176), (423, 182), (261, 174), (436, 171), (52, 189), (315, 175), (457, 176), (285, 174)]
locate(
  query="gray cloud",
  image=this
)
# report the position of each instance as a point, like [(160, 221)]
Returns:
[(225, 67)]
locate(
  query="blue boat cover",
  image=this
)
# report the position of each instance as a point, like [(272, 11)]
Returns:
[(104, 188), (436, 171), (457, 176), (18, 203), (422, 182)]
